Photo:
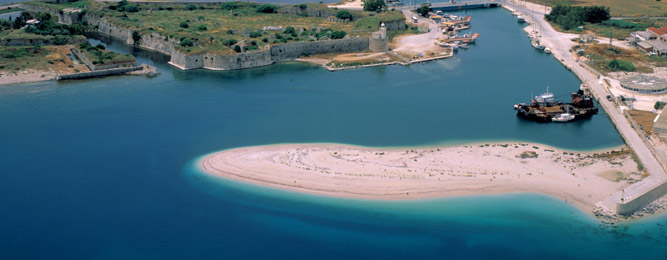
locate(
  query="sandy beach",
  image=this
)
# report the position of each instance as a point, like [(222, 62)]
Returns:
[(26, 76), (581, 178)]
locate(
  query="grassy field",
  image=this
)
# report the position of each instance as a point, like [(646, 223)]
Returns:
[(78, 4), (14, 59), (100, 56), (644, 119), (617, 32), (600, 55), (617, 7), (210, 26)]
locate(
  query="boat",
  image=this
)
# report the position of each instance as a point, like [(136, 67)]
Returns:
[(563, 117), (544, 108), (536, 44), (464, 46), (547, 50), (520, 19)]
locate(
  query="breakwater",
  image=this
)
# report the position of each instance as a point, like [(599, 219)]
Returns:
[(99, 73)]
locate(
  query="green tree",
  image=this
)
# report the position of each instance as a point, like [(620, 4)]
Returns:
[(373, 5), (343, 14), (229, 5), (202, 27), (136, 37), (423, 10), (267, 9), (184, 25), (617, 65), (237, 48), (338, 34)]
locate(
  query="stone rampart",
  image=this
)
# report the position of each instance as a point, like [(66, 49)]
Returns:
[(63, 17), (290, 51)]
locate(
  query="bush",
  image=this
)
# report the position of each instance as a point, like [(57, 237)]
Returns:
[(100, 46), (132, 9), (186, 42), (373, 5), (229, 42), (184, 25), (265, 39), (202, 27), (290, 30), (338, 34), (230, 31), (237, 48), (267, 9), (617, 65), (190, 7), (255, 34), (303, 6), (343, 14)]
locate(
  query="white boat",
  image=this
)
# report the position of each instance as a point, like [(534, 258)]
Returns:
[(547, 50), (521, 19), (464, 46), (536, 44), (564, 117)]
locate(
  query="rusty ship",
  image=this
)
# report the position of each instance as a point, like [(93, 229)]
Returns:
[(545, 109)]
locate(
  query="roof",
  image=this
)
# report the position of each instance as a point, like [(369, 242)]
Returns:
[(658, 45), (658, 31), (645, 45)]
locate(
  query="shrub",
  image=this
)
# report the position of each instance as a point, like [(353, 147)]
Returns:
[(343, 14), (267, 9), (303, 6), (132, 9), (265, 39), (190, 7), (290, 30), (616, 65), (186, 42), (338, 35), (184, 25), (229, 42), (201, 27), (255, 34), (237, 48)]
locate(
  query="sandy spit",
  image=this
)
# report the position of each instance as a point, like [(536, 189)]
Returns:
[(581, 178)]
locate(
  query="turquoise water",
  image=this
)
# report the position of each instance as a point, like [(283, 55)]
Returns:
[(102, 168)]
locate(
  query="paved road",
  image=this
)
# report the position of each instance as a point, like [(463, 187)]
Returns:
[(560, 44)]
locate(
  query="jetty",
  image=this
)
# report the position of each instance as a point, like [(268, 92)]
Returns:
[(638, 195)]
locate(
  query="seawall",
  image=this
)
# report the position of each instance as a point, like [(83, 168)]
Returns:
[(99, 73)]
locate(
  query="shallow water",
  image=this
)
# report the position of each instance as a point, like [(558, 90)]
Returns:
[(102, 168)]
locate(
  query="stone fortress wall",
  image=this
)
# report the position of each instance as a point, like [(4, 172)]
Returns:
[(378, 42)]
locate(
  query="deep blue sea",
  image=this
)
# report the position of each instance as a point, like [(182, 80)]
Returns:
[(103, 168)]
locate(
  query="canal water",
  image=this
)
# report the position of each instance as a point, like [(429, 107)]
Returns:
[(103, 168)]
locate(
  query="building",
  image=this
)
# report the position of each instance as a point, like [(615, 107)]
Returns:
[(647, 85), (652, 41)]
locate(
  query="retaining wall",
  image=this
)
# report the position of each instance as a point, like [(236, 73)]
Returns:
[(63, 18)]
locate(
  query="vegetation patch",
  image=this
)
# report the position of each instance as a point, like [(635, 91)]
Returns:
[(527, 155), (569, 17), (98, 55)]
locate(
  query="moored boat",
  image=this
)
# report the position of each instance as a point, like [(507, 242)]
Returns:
[(520, 19), (545, 109)]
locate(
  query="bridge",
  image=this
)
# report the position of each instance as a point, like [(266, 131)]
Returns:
[(454, 5)]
